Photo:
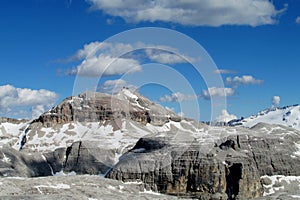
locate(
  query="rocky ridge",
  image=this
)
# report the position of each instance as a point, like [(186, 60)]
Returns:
[(288, 116)]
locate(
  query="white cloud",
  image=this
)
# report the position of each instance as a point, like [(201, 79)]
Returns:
[(276, 101), (94, 48), (177, 97), (113, 86), (11, 98), (192, 12), (298, 20), (170, 109), (38, 110), (106, 65), (103, 58), (225, 116), (166, 57), (243, 80), (217, 92), (225, 71)]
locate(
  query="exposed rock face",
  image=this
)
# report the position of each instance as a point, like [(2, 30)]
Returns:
[(275, 152), (11, 120), (82, 158), (231, 167), (20, 164), (73, 187), (95, 107)]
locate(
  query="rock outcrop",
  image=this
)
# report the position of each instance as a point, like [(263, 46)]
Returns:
[(74, 188), (13, 121), (81, 157), (230, 167), (21, 164)]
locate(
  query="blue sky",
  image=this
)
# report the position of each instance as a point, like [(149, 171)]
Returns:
[(256, 43)]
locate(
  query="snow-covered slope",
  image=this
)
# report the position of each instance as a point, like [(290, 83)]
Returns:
[(111, 122), (287, 116), (10, 130)]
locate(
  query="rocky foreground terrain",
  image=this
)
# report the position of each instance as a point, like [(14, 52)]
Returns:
[(128, 138)]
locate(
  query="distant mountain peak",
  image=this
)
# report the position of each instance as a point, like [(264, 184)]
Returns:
[(288, 116)]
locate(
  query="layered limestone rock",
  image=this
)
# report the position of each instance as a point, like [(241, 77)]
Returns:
[(229, 167), (82, 158), (21, 164), (95, 107), (74, 188)]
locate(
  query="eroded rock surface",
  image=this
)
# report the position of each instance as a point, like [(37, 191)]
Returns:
[(73, 187), (230, 166)]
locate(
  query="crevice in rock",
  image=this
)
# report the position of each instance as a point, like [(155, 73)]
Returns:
[(272, 164), (68, 152), (78, 153), (254, 157), (228, 144), (49, 164), (233, 176), (238, 141)]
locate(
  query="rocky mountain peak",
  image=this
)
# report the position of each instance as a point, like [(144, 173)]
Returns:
[(96, 107)]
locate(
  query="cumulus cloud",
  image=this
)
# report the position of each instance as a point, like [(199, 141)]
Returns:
[(107, 59), (298, 20), (105, 65), (101, 59), (37, 110), (225, 116), (192, 12), (225, 71), (243, 80), (276, 101), (217, 92), (11, 98), (113, 86), (177, 97)]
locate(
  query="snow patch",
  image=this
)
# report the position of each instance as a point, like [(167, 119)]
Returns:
[(111, 187), (295, 196), (297, 152), (62, 173), (57, 186), (150, 192), (287, 116), (5, 159), (276, 183), (129, 94), (133, 182)]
